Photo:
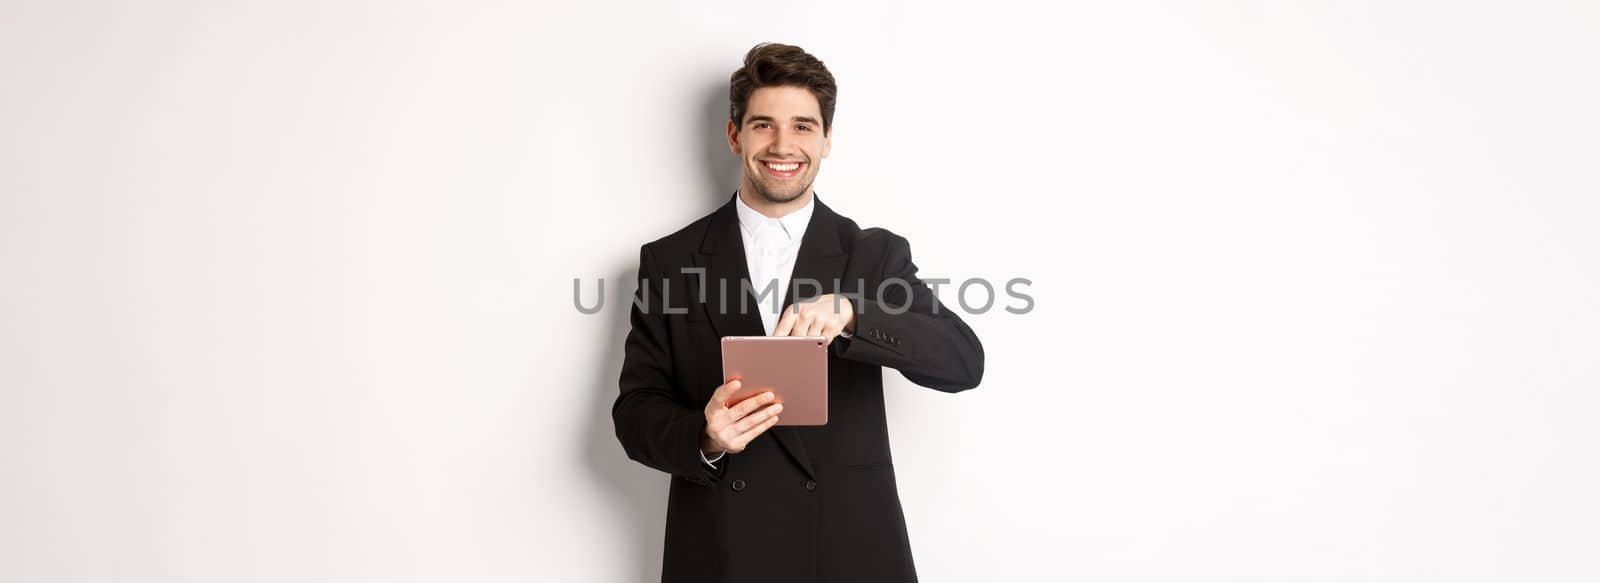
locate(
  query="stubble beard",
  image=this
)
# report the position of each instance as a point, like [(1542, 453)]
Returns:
[(761, 188)]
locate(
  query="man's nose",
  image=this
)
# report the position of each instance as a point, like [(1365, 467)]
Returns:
[(782, 143)]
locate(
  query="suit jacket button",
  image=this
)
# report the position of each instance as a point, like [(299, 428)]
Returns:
[(811, 485), (738, 485)]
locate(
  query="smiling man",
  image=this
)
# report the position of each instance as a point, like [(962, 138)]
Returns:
[(749, 500)]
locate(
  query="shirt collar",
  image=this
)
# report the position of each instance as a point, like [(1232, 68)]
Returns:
[(794, 224)]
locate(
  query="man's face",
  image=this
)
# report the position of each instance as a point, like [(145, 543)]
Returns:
[(781, 142)]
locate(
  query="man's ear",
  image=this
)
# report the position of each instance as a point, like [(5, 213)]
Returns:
[(733, 138), (827, 141)]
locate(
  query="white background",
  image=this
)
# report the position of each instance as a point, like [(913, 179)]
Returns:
[(288, 286)]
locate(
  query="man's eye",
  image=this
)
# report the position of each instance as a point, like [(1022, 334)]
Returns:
[(762, 126), (804, 128)]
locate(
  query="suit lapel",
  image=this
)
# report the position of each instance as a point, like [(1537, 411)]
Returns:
[(817, 269), (722, 256), (820, 263)]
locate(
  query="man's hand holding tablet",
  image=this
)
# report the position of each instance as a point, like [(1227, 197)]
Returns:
[(731, 427), (728, 428)]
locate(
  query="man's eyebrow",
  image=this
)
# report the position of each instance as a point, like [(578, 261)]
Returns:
[(767, 118)]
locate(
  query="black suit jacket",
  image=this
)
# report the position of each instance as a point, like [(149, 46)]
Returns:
[(801, 504)]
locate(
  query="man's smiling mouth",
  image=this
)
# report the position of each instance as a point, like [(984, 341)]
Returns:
[(782, 169)]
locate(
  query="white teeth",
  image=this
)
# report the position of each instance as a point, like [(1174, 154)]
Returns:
[(783, 167)]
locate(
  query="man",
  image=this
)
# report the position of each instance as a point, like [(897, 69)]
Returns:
[(751, 502)]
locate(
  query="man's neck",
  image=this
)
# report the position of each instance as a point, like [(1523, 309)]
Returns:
[(774, 210)]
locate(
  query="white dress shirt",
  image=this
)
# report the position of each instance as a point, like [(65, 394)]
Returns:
[(771, 247)]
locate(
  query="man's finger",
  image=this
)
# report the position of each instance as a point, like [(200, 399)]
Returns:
[(720, 396), (755, 419), (748, 436), (801, 324), (786, 323), (734, 433), (829, 333), (744, 407)]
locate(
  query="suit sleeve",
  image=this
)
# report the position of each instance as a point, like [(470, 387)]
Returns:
[(906, 328), (654, 423)]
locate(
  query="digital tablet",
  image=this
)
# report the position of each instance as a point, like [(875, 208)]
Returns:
[(794, 368)]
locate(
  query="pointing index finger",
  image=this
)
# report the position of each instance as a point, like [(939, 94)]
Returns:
[(786, 323)]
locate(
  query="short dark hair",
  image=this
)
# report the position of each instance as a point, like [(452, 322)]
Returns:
[(778, 65)]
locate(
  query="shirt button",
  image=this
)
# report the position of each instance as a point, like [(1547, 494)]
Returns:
[(738, 485), (811, 485)]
